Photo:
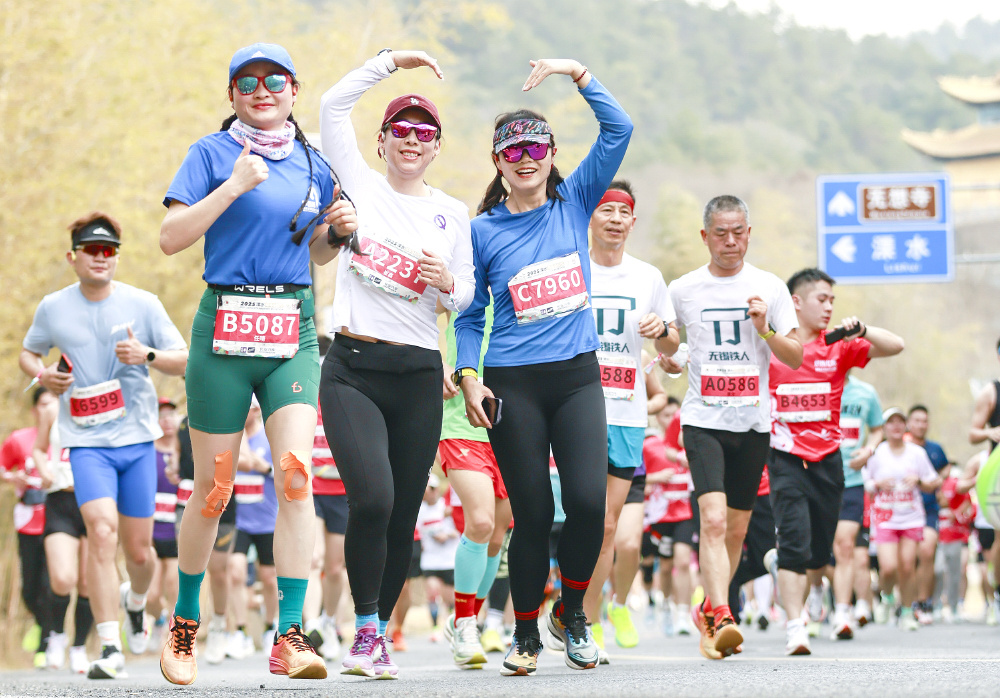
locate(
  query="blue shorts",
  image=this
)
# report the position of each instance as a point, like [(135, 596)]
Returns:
[(126, 474), (624, 450)]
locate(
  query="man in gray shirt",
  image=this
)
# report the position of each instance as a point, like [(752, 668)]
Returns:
[(109, 334)]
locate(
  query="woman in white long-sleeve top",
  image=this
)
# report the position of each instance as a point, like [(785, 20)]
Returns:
[(381, 384)]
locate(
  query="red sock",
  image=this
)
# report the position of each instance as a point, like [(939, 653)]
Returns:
[(706, 607), (479, 605), (465, 605)]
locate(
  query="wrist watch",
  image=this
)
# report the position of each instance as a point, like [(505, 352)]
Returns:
[(150, 357), (389, 63), (666, 330), (461, 373), (767, 335)]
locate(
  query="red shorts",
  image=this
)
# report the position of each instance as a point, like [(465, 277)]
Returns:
[(464, 454), (891, 535)]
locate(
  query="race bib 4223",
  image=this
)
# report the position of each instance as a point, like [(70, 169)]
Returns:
[(389, 266)]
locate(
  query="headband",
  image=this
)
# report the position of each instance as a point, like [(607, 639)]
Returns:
[(521, 131), (619, 196)]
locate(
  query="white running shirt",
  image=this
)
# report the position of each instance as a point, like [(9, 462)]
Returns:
[(620, 297), (437, 222), (728, 358)]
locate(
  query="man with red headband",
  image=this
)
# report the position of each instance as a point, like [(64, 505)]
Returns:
[(631, 303)]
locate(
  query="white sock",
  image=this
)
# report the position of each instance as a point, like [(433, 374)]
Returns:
[(796, 624), (844, 609), (108, 632), (494, 619), (134, 602)]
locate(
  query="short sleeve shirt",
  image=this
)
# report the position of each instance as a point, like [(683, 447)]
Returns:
[(250, 242), (620, 297), (860, 411), (87, 333), (723, 343), (805, 402), (901, 508)]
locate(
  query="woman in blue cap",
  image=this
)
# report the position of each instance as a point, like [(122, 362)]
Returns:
[(256, 191)]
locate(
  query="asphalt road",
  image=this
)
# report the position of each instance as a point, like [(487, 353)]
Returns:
[(882, 661)]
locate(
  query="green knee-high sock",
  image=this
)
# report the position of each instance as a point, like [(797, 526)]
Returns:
[(291, 597)]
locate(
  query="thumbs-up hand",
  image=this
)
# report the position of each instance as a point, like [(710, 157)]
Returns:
[(249, 170), (131, 351)]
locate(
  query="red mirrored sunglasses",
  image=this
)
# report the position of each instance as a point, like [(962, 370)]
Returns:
[(425, 132), (274, 83), (98, 250)]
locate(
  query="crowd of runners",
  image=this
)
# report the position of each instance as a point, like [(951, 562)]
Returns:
[(777, 490)]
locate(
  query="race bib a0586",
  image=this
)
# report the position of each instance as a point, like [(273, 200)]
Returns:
[(730, 386), (548, 289), (252, 326)]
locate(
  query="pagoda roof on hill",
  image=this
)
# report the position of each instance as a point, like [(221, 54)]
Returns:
[(972, 90), (973, 141)]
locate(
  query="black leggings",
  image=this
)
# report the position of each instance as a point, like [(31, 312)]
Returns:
[(559, 404), (382, 416), (35, 581)]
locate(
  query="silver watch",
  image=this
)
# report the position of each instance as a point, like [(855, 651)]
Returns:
[(391, 65)]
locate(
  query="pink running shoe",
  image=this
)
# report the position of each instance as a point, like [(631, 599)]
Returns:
[(384, 667), (360, 661)]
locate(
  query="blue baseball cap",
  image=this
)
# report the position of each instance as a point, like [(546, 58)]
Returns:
[(260, 52)]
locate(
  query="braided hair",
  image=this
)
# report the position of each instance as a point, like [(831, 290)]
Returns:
[(298, 236)]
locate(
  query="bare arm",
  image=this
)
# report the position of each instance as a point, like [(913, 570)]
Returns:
[(32, 364), (930, 485), (787, 348), (860, 457), (883, 342), (656, 397), (985, 403), (967, 480)]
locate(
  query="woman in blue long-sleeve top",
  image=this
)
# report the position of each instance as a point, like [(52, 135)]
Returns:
[(530, 251)]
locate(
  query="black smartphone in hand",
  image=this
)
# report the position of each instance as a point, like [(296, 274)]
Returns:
[(840, 333), (493, 407), (65, 365)]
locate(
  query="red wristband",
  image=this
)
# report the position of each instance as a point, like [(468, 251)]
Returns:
[(577, 81), (452, 290)]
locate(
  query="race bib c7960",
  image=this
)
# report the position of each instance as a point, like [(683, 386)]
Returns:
[(548, 289)]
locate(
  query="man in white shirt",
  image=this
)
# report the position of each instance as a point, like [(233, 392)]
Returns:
[(736, 315)]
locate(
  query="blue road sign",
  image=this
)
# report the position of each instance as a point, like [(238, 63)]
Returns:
[(885, 228)]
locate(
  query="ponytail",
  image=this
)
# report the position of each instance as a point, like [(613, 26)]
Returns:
[(496, 193)]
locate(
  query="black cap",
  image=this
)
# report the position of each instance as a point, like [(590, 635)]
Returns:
[(100, 231)]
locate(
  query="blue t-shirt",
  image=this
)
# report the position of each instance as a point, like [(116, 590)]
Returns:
[(940, 461), (260, 517), (250, 242), (504, 243), (87, 333), (859, 409)]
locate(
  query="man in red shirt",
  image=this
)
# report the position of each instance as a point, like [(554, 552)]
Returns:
[(806, 469), (18, 468)]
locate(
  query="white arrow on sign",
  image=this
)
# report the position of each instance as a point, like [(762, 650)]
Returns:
[(845, 249), (841, 205)]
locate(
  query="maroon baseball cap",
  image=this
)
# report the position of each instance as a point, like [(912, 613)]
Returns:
[(412, 101), (167, 402)]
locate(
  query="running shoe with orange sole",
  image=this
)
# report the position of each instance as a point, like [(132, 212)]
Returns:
[(728, 639), (177, 662), (294, 656), (706, 626)]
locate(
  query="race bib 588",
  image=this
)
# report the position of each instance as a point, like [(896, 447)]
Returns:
[(618, 376)]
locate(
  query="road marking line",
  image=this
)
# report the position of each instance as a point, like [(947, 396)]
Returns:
[(648, 658)]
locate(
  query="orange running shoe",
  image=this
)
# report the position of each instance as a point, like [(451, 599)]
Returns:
[(728, 639), (398, 641), (177, 662), (294, 656), (706, 626)]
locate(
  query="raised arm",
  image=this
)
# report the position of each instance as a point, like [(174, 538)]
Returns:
[(985, 403)]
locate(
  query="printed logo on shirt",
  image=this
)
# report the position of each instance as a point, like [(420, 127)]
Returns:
[(122, 327), (440, 221), (312, 201), (721, 320), (727, 356), (825, 365), (609, 311)]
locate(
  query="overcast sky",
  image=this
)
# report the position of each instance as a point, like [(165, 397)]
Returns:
[(860, 17)]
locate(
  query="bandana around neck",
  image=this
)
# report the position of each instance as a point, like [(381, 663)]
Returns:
[(273, 145)]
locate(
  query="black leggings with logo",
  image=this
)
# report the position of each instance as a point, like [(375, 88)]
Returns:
[(558, 405), (382, 412)]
